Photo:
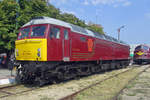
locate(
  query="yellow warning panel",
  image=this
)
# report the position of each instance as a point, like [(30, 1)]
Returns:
[(31, 50), (140, 53)]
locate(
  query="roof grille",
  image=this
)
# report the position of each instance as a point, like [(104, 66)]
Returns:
[(40, 17)]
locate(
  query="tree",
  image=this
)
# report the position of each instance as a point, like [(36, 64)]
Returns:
[(13, 15), (7, 25), (70, 18), (96, 28)]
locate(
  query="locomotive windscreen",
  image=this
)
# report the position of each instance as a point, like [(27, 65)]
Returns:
[(142, 47), (24, 33), (38, 31), (32, 31)]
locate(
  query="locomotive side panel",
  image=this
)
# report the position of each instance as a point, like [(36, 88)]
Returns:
[(82, 47), (101, 49), (121, 52), (104, 50)]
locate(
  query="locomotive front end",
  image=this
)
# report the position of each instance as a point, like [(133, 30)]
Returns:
[(31, 44), (141, 54)]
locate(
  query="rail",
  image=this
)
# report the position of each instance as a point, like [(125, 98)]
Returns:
[(72, 96)]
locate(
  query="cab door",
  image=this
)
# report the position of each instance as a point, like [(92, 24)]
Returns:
[(66, 44), (54, 43)]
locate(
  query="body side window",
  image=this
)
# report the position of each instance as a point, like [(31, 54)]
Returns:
[(66, 34), (54, 32)]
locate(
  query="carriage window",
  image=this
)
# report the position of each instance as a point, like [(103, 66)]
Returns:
[(38, 31), (66, 34), (55, 33)]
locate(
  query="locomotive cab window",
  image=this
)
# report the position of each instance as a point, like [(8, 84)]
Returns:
[(55, 33), (145, 48), (65, 34), (24, 33), (139, 47), (38, 31)]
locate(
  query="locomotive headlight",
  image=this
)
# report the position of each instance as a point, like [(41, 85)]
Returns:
[(39, 52)]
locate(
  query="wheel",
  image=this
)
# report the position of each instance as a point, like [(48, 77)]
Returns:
[(19, 75)]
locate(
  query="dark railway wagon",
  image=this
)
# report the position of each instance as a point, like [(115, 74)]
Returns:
[(49, 49), (142, 54)]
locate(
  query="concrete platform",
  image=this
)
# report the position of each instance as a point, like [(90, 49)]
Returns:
[(6, 77)]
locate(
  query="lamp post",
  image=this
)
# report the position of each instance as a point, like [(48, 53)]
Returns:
[(119, 31)]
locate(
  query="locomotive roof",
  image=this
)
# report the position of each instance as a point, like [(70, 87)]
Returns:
[(74, 28), (143, 45)]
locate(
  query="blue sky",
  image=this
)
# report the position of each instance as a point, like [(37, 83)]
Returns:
[(111, 14)]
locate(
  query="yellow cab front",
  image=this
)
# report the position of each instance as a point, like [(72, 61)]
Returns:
[(31, 44)]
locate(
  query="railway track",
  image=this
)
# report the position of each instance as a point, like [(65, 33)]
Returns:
[(72, 96), (14, 90), (20, 89), (116, 96)]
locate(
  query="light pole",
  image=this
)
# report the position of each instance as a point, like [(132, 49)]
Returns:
[(119, 31)]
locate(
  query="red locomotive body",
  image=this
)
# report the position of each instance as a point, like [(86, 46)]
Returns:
[(64, 48), (83, 47), (142, 54)]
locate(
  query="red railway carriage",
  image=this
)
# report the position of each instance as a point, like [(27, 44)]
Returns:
[(142, 54), (57, 46)]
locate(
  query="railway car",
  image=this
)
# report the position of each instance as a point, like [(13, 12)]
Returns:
[(48, 49), (142, 54)]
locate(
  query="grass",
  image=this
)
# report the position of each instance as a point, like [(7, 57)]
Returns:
[(131, 85), (108, 89), (46, 98), (131, 94), (142, 91)]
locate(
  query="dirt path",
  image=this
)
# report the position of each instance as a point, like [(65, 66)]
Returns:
[(139, 89)]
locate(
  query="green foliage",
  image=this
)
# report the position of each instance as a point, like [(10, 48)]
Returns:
[(13, 15), (7, 24), (72, 19), (96, 28)]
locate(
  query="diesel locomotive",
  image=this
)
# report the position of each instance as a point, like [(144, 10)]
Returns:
[(48, 49), (142, 54)]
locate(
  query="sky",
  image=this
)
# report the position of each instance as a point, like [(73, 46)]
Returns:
[(112, 14)]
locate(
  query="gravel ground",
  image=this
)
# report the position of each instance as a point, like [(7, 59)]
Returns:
[(4, 73), (139, 89), (57, 91)]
